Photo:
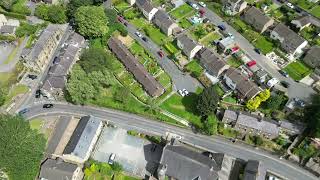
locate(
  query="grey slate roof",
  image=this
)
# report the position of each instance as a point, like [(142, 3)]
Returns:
[(313, 57), (57, 170), (294, 127), (304, 20), (211, 62), (230, 115), (291, 39), (7, 29), (163, 20), (254, 170), (54, 82), (82, 137), (188, 43), (145, 5), (258, 124), (43, 39), (256, 18), (153, 87), (245, 87), (185, 164)]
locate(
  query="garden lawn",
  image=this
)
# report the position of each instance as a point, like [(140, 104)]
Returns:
[(181, 11), (183, 107), (233, 62), (304, 4), (155, 35), (122, 6), (164, 79), (139, 22), (171, 48), (230, 99), (316, 11), (184, 23), (131, 14), (297, 70), (207, 40), (263, 44), (240, 24), (218, 89), (195, 68)]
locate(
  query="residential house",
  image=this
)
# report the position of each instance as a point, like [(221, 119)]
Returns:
[(165, 23), (152, 87), (257, 19), (3, 20), (13, 22), (42, 51), (55, 81), (260, 76), (226, 43), (230, 117), (302, 22), (212, 63), (245, 88), (290, 41), (314, 165), (146, 8), (83, 139), (233, 7), (181, 163), (312, 57), (7, 30), (289, 128), (254, 170), (57, 169), (188, 46)]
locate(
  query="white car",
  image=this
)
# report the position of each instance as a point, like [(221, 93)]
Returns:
[(181, 93), (272, 82), (202, 4), (111, 158), (195, 6), (290, 5), (138, 34), (186, 93)]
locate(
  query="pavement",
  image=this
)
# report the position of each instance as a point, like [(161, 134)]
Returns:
[(179, 79), (296, 89), (215, 143)]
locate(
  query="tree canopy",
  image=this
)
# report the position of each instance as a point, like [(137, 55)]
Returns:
[(312, 116), (95, 59), (21, 148), (3, 95), (208, 101), (73, 6), (7, 4), (91, 21), (52, 13)]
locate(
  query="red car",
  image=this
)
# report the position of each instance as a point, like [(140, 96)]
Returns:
[(161, 54), (120, 19)]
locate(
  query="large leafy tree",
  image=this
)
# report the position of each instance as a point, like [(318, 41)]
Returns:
[(312, 116), (91, 21), (73, 6), (95, 59), (208, 101), (21, 148), (274, 102), (7, 4), (52, 13)]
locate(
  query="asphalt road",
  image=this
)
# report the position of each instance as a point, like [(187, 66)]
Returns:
[(217, 144), (180, 79), (295, 90)]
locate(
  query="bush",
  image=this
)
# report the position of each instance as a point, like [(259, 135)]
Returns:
[(21, 8), (9, 38), (123, 31), (52, 13), (13, 15), (154, 139), (132, 133), (26, 29)]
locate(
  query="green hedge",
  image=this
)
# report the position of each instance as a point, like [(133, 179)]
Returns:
[(7, 38)]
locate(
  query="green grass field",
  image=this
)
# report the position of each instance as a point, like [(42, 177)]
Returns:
[(195, 68), (208, 39), (184, 23), (171, 48), (233, 62), (316, 11), (297, 70), (181, 11), (263, 44)]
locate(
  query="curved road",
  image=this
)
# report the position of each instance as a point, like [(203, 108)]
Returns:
[(216, 144)]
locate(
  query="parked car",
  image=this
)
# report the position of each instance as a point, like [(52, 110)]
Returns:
[(186, 93), (32, 76), (290, 5), (161, 54), (38, 93), (231, 35), (283, 73), (111, 158), (272, 82), (285, 84), (221, 27), (195, 6), (125, 23), (138, 34), (23, 111), (46, 106), (257, 50), (120, 19), (181, 93), (202, 4), (145, 39)]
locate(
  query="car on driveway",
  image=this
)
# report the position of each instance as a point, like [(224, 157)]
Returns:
[(47, 106), (283, 73), (272, 82), (186, 93), (138, 34), (221, 27), (32, 76), (38, 93), (111, 158), (161, 54), (181, 93), (202, 4)]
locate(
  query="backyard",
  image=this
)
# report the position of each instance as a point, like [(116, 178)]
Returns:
[(181, 12), (233, 62), (263, 44), (209, 38), (195, 68), (297, 70), (200, 31)]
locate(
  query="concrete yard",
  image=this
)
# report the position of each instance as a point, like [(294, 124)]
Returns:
[(132, 153), (5, 50)]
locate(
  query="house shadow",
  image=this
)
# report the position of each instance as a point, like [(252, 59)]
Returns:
[(152, 154)]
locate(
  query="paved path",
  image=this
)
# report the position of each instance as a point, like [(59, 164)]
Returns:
[(216, 144), (180, 80), (295, 90)]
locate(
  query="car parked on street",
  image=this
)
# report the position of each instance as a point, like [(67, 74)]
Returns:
[(23, 111), (285, 84), (195, 6), (32, 76), (38, 93), (47, 106), (145, 39), (202, 4), (138, 34), (283, 73), (272, 82), (221, 27), (111, 158), (161, 54), (257, 50), (290, 5)]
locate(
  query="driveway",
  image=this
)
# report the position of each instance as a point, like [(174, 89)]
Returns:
[(180, 80), (132, 153), (296, 89)]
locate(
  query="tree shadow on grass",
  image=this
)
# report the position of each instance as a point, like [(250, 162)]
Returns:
[(190, 103)]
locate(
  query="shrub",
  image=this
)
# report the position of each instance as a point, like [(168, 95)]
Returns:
[(14, 15), (132, 133)]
